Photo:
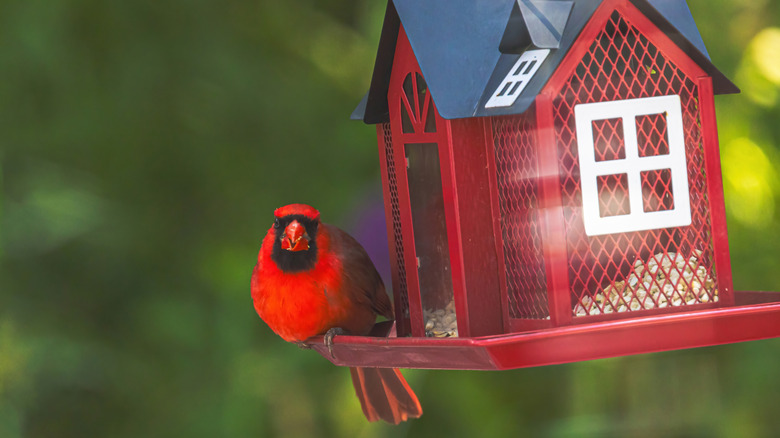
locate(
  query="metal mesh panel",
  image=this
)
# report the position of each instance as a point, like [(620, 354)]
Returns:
[(607, 142), (613, 194), (645, 269), (651, 135), (517, 175), (657, 190), (403, 323)]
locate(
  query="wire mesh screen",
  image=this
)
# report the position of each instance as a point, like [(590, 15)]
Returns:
[(518, 179), (403, 322), (636, 270)]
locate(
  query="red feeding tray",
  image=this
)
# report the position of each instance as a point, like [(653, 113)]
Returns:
[(757, 316)]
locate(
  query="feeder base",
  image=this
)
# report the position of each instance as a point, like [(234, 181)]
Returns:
[(756, 316)]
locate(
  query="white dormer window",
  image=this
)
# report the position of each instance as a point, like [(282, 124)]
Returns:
[(517, 78), (632, 181)]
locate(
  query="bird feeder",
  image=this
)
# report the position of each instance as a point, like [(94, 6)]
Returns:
[(552, 186)]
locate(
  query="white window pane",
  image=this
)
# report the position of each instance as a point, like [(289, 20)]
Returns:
[(633, 166), (518, 77)]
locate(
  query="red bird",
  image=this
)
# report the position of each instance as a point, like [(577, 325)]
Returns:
[(312, 278)]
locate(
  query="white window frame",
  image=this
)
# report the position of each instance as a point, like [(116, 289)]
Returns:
[(632, 165), (518, 77)]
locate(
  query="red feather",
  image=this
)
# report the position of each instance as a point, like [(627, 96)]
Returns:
[(384, 394), (339, 288)]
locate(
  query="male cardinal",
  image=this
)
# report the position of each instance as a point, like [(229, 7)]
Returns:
[(312, 278)]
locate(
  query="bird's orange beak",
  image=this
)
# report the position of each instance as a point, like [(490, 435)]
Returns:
[(295, 237)]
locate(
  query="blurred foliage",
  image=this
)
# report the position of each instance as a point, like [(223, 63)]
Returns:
[(144, 145)]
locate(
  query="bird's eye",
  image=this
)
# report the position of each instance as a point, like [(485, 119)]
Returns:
[(277, 223)]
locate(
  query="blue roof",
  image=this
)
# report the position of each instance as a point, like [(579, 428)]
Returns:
[(456, 43)]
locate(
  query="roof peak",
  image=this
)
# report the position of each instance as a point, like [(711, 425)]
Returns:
[(491, 35), (537, 22)]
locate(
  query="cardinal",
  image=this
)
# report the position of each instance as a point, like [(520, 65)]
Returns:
[(311, 279)]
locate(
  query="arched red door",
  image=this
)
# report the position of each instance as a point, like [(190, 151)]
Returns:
[(418, 158)]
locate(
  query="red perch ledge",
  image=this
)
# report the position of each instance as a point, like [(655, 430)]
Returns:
[(756, 316)]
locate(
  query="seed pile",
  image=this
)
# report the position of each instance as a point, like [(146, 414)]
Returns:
[(441, 323), (664, 280)]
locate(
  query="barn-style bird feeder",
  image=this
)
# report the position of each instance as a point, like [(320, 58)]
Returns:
[(552, 186)]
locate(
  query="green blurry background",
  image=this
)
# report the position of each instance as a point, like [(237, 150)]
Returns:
[(143, 147)]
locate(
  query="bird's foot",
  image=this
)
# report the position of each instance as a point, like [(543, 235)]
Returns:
[(329, 338), (303, 346)]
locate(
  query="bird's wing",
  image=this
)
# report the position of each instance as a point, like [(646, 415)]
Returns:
[(360, 274)]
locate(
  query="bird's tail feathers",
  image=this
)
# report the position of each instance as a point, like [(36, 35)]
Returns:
[(385, 395)]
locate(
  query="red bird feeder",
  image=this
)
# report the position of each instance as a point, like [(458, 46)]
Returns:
[(552, 186)]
